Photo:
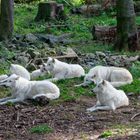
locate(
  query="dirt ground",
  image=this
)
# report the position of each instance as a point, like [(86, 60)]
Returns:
[(69, 120)]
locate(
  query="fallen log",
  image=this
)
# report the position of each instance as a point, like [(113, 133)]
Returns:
[(69, 54), (88, 10)]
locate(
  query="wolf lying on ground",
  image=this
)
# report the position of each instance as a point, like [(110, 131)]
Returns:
[(108, 98), (19, 70), (62, 70), (115, 75), (24, 89)]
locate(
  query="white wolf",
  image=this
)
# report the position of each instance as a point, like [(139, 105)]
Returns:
[(62, 70), (115, 75), (24, 89), (19, 70), (108, 98), (37, 73)]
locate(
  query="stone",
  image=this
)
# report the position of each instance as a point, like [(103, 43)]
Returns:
[(100, 54), (30, 38)]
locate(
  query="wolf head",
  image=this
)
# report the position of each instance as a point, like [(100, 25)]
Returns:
[(49, 66), (94, 78), (9, 81), (101, 87), (19, 70)]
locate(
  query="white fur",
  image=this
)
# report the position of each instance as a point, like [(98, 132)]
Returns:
[(19, 70), (62, 70), (24, 89), (108, 98), (115, 75), (36, 73)]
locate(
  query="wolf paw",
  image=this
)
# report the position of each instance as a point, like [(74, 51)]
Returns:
[(41, 100)]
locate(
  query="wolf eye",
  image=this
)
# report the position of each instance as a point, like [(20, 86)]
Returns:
[(93, 76)]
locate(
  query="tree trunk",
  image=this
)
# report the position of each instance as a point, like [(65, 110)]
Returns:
[(6, 19), (126, 27), (137, 6), (106, 34), (49, 10)]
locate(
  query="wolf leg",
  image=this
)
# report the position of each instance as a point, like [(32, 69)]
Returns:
[(6, 98), (50, 96), (53, 79), (95, 108), (12, 101)]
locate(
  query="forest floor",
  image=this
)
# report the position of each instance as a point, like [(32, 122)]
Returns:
[(70, 121)]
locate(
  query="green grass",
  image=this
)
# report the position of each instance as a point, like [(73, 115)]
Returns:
[(71, 93), (26, 24), (79, 25), (120, 130), (44, 128), (133, 87), (106, 134)]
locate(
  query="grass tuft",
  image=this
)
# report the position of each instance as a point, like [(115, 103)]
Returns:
[(44, 128)]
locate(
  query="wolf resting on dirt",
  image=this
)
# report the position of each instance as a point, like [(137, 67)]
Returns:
[(108, 98), (24, 89), (115, 75), (62, 70)]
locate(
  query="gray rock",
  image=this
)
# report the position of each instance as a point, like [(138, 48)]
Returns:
[(100, 54), (33, 53), (30, 38), (23, 60)]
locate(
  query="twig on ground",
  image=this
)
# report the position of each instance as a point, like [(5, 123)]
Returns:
[(135, 115)]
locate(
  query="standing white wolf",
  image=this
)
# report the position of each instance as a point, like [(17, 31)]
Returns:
[(108, 98), (24, 89), (115, 75), (62, 70)]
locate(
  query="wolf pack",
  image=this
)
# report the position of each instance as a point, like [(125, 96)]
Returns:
[(106, 78)]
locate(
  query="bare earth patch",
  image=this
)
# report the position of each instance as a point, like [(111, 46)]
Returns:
[(69, 120)]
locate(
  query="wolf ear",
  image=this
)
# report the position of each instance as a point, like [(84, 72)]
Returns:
[(53, 60), (49, 58), (42, 65), (104, 82), (17, 78)]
